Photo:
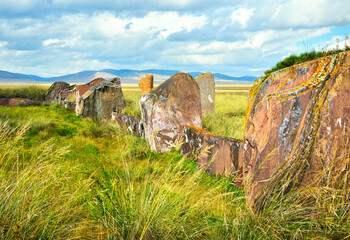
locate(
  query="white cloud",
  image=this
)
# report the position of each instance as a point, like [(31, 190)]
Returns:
[(186, 34), (242, 16), (58, 43), (3, 43)]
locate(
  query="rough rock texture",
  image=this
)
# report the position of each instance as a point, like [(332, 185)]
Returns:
[(128, 122), (216, 154), (206, 85), (81, 89), (176, 102), (101, 100), (53, 92), (67, 97), (297, 127), (146, 83), (18, 102)]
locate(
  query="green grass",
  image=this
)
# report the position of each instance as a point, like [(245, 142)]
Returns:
[(304, 57), (132, 98), (34, 92), (62, 177), (229, 116)]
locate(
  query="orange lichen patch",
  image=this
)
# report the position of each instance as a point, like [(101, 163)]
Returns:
[(206, 133)]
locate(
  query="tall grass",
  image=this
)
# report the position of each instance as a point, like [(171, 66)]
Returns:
[(34, 92), (229, 116), (132, 98), (37, 197), (99, 183), (139, 204), (66, 178)]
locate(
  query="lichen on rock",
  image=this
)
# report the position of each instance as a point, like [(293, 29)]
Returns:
[(290, 114)]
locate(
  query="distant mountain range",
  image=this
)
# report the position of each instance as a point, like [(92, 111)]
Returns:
[(127, 76)]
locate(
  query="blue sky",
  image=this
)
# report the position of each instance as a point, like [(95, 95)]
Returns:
[(56, 37)]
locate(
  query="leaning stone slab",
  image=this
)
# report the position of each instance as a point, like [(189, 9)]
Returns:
[(215, 154), (82, 89), (53, 93), (101, 100), (174, 103), (129, 123), (206, 85), (297, 129)]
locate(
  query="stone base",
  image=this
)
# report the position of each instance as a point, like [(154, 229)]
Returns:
[(129, 123), (18, 102), (215, 154)]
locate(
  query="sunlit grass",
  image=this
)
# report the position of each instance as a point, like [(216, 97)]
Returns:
[(35, 92), (62, 177)]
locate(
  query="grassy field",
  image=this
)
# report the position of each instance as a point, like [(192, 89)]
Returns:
[(62, 177), (35, 92)]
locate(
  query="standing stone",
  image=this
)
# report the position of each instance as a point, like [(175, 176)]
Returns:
[(81, 89), (217, 155), (53, 93), (101, 100), (176, 102), (67, 97), (206, 85), (296, 131), (146, 83)]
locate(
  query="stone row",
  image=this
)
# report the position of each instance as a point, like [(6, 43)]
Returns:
[(96, 99)]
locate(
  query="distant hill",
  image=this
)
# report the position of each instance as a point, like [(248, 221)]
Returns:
[(82, 77), (127, 77), (8, 77)]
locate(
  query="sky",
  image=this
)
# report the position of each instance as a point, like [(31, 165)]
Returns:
[(234, 37)]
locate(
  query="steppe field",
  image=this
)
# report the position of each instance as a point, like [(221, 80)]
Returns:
[(62, 177)]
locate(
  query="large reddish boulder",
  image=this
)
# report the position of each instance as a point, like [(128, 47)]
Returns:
[(101, 100), (53, 93), (296, 131), (217, 155), (81, 89), (206, 85), (176, 102)]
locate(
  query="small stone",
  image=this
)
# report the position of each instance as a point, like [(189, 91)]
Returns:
[(146, 83), (67, 97), (206, 85)]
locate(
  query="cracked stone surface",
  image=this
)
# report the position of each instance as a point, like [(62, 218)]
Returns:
[(174, 103), (296, 128)]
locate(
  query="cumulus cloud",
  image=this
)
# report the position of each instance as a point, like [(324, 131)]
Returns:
[(242, 16), (236, 37)]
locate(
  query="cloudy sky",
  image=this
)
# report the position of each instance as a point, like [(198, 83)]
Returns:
[(235, 37)]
